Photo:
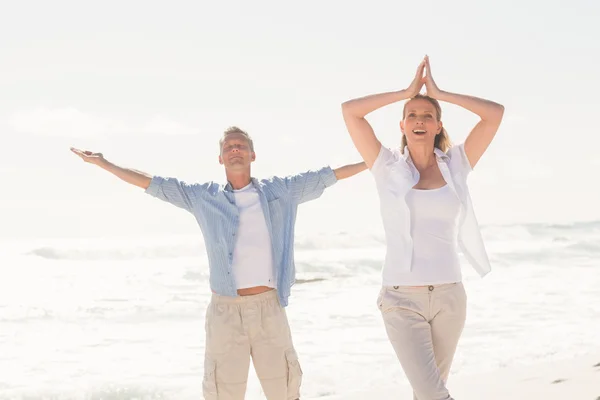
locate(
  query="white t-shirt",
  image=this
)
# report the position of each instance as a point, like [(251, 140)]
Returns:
[(252, 256), (395, 175)]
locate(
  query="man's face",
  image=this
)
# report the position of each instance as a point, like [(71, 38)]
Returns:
[(236, 153)]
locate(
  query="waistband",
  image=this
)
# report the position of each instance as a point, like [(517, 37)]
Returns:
[(255, 298), (424, 289)]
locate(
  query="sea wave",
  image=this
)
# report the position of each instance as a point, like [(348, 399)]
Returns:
[(517, 239), (110, 392), (119, 253)]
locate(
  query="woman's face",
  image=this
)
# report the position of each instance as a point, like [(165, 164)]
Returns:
[(420, 123)]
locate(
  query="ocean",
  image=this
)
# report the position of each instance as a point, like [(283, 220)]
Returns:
[(123, 318)]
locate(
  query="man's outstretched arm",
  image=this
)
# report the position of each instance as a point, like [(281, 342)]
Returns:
[(132, 176), (349, 170), (310, 185)]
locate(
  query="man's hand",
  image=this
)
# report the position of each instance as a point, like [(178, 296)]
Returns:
[(88, 156), (132, 176)]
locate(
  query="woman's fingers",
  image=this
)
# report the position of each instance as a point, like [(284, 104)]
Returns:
[(428, 65), (420, 70)]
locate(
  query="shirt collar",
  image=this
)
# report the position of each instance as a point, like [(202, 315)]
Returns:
[(254, 181), (439, 154)]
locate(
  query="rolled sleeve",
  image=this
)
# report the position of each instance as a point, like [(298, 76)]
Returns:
[(459, 159), (155, 185), (171, 190), (310, 185), (381, 164), (328, 176), (386, 161)]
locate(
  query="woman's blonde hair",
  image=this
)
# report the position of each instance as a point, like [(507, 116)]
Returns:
[(442, 140)]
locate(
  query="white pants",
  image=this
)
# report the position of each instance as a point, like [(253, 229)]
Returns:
[(424, 325), (238, 328)]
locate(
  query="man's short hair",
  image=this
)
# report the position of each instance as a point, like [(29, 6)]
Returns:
[(234, 129)]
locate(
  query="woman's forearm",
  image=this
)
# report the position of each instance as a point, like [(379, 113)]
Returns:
[(483, 133), (364, 105), (487, 110)]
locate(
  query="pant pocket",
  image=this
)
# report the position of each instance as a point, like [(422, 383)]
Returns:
[(380, 299), (294, 378), (209, 383)]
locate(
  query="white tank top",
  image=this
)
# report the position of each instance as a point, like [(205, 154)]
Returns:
[(434, 230), (252, 256)]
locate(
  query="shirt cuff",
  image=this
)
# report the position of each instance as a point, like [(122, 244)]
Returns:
[(328, 176), (154, 186)]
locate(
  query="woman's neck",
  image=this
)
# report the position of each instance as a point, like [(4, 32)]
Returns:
[(423, 157)]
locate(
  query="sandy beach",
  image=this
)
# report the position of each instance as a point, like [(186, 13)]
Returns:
[(574, 379)]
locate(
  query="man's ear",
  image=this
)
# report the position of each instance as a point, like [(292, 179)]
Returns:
[(253, 156), (220, 160)]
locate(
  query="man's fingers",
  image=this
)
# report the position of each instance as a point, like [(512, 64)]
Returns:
[(79, 152), (84, 155)]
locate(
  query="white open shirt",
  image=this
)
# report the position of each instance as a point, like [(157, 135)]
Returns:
[(395, 174)]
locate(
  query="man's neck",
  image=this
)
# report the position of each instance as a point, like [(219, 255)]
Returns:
[(239, 180)]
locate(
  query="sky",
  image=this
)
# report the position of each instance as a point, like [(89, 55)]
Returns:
[(153, 84)]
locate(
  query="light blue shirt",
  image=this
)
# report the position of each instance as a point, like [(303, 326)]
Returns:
[(215, 210)]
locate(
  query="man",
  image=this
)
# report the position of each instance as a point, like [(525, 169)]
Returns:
[(248, 227)]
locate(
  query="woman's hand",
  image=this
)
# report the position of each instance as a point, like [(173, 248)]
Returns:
[(418, 81), (430, 85)]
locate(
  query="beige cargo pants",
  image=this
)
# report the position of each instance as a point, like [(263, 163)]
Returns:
[(244, 327)]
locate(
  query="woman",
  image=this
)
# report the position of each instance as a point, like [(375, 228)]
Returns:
[(427, 216)]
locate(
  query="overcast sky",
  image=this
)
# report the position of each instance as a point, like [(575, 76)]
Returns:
[(153, 84)]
